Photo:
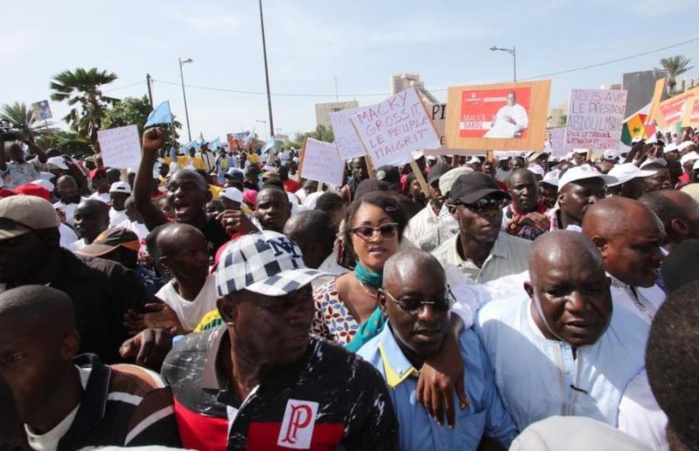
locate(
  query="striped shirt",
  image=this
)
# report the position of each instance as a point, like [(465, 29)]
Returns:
[(122, 405)]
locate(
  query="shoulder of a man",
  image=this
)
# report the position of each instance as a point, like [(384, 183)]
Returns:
[(500, 313), (446, 251)]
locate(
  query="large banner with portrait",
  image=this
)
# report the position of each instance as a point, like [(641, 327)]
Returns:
[(501, 116)]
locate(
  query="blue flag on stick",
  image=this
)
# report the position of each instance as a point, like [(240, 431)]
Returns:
[(269, 145), (160, 115)]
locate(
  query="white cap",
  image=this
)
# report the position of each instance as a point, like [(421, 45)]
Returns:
[(59, 162), (685, 144), (628, 171), (536, 169), (580, 151), (660, 161), (431, 157), (131, 171), (120, 187), (610, 154), (233, 194), (47, 185), (448, 178), (473, 160), (696, 165), (691, 156), (670, 148), (551, 178), (583, 172), (637, 139)]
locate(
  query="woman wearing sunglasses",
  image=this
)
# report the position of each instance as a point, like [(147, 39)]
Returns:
[(347, 310)]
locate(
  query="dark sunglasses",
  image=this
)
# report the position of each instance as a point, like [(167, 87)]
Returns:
[(388, 230), (482, 205), (412, 305)]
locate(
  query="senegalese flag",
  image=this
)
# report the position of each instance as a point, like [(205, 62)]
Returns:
[(635, 126)]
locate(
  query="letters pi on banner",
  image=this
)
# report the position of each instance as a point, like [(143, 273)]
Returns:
[(391, 130), (595, 118), (502, 116), (120, 147), (320, 162)]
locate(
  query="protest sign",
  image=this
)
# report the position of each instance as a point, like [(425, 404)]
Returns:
[(500, 116), (672, 110), (559, 148), (41, 110), (321, 162), (691, 113), (438, 115), (658, 93), (391, 130), (595, 118), (346, 140), (120, 147)]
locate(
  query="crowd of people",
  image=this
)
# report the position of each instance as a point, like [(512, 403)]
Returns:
[(214, 299)]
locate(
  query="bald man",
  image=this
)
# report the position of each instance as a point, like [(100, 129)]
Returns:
[(312, 231), (191, 293), (629, 236), (416, 301), (559, 350), (69, 402), (679, 213)]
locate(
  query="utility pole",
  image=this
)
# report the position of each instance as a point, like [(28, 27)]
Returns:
[(149, 80), (264, 53)]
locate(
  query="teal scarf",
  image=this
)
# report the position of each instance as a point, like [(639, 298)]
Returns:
[(374, 325)]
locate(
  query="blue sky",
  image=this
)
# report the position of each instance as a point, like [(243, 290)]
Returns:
[(310, 42)]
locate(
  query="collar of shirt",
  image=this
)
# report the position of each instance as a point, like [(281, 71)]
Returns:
[(94, 400), (498, 250), (397, 367)]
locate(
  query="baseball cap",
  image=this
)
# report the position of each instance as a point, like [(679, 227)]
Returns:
[(671, 148), (685, 144), (469, 188), (447, 180), (389, 175), (99, 171), (691, 156), (627, 171), (22, 214), (234, 173), (656, 161), (583, 172), (536, 169), (46, 184), (580, 151), (111, 239), (120, 187), (233, 194), (551, 177), (436, 172), (265, 262), (58, 162), (610, 154)]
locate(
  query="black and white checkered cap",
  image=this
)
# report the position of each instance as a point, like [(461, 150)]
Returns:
[(265, 262)]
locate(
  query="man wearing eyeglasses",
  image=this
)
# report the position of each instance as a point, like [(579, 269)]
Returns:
[(480, 251), (416, 301)]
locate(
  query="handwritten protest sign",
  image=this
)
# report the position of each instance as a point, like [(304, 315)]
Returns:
[(121, 147), (391, 130), (321, 162), (346, 139), (595, 118), (559, 148)]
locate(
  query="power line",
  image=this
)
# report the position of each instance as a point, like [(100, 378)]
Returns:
[(282, 94)]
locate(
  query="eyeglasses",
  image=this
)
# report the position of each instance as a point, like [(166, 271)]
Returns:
[(388, 230), (413, 304), (482, 205)]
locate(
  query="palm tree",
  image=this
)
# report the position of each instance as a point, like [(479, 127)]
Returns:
[(81, 88), (675, 66), (23, 117)]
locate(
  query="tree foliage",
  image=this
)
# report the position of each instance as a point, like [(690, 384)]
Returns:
[(321, 133), (675, 66), (130, 111), (22, 116), (81, 89)]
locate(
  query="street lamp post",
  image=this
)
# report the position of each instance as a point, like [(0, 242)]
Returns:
[(184, 96), (264, 54), (513, 52)]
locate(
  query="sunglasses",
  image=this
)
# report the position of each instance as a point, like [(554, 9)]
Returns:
[(482, 205), (412, 305), (388, 230)]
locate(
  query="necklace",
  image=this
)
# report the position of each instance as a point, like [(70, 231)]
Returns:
[(366, 290)]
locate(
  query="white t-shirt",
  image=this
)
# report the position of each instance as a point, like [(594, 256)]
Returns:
[(117, 217), (68, 235), (49, 441), (190, 312), (77, 245), (68, 209), (141, 232), (104, 197)]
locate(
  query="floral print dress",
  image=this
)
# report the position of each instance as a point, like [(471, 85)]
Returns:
[(333, 320)]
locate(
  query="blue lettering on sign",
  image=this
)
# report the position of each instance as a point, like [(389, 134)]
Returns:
[(281, 245)]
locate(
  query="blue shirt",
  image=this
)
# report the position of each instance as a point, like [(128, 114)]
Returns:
[(485, 415), (538, 377)]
